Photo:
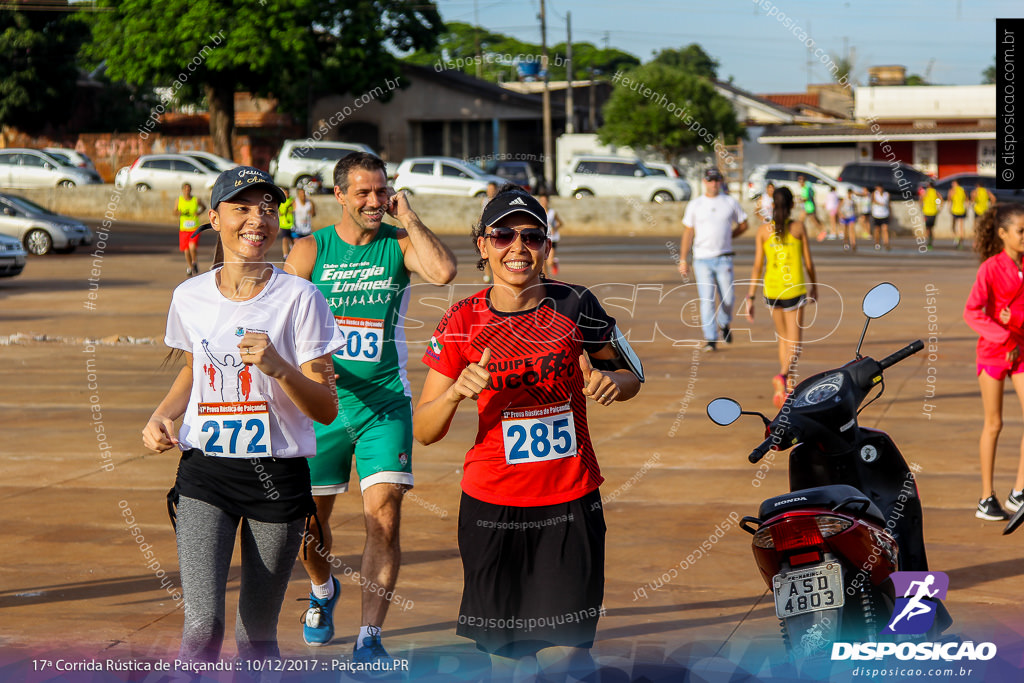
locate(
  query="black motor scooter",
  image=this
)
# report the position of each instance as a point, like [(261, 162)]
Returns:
[(853, 515)]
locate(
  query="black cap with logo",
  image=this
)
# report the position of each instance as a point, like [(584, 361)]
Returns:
[(508, 203)]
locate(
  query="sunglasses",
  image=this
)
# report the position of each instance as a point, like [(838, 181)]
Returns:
[(503, 238)]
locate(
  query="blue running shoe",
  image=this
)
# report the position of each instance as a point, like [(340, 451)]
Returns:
[(318, 621), (372, 650)]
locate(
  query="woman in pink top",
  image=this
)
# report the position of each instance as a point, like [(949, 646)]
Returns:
[(995, 310)]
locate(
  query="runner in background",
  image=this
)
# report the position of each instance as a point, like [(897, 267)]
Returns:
[(187, 208), (848, 218), (931, 200), (286, 217), (554, 223), (957, 200), (492, 189), (305, 210)]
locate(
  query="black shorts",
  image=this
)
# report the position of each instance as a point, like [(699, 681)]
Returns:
[(534, 576), (271, 490), (929, 221), (787, 304), (879, 222), (286, 232)]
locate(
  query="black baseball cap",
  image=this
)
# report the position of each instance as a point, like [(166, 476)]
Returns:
[(508, 203), (241, 178), (712, 174)]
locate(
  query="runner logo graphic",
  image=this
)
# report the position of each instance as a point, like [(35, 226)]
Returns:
[(915, 610)]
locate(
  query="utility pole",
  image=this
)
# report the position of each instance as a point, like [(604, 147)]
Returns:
[(549, 175), (476, 40), (570, 113)]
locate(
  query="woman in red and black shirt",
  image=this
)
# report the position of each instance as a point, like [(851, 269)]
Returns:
[(530, 352)]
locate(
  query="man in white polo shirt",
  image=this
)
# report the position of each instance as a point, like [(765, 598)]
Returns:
[(709, 224)]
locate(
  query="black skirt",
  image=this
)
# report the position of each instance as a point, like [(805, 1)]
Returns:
[(534, 576)]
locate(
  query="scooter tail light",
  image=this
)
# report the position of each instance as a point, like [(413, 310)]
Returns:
[(796, 532)]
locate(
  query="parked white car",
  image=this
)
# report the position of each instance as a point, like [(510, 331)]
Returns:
[(785, 175), (443, 175), (28, 168), (300, 163), (38, 228), (166, 172), (670, 170), (614, 176)]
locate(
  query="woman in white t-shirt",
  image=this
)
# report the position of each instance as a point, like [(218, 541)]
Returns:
[(554, 223), (257, 347), (305, 209)]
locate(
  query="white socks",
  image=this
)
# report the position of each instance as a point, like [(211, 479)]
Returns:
[(366, 632), (324, 591)]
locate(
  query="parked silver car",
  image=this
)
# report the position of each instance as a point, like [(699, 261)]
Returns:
[(443, 175), (12, 257), (38, 228), (614, 176), (28, 168), (166, 172), (218, 163), (786, 175), (79, 160), (301, 163)]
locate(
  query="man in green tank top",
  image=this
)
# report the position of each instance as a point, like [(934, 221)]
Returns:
[(362, 267)]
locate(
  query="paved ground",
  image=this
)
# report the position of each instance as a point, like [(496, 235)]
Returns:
[(75, 586)]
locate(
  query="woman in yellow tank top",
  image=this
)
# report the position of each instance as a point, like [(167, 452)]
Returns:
[(783, 255), (981, 199), (958, 207)]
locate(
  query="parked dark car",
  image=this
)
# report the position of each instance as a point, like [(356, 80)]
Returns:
[(969, 181), (871, 173), (12, 257)]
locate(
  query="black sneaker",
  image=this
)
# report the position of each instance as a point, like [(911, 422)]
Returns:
[(727, 335), (990, 509), (1014, 501), (709, 346)]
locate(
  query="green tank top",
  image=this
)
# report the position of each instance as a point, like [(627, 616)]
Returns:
[(784, 272), (367, 289)]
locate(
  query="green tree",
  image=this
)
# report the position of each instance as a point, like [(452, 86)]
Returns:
[(457, 49), (989, 74), (691, 59), (37, 71), (293, 49), (668, 110)]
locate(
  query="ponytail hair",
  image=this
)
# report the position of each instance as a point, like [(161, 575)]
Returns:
[(783, 206), (986, 232)]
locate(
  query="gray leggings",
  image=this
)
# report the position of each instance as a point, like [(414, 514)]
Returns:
[(206, 540)]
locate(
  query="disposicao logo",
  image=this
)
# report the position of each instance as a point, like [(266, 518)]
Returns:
[(915, 610)]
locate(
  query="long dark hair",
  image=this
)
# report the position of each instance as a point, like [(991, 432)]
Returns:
[(986, 233), (782, 207)]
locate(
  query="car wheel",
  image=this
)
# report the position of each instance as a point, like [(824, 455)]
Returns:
[(662, 197), (580, 194), (66, 183), (142, 187), (409, 193), (480, 195), (38, 242)]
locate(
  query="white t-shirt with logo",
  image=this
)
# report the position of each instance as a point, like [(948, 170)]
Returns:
[(234, 410), (712, 219)]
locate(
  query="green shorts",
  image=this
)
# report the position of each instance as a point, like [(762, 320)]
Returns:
[(380, 438)]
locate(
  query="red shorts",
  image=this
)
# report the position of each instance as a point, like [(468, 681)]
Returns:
[(185, 238), (1002, 370)]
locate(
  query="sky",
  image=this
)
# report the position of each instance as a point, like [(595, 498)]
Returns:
[(952, 41)]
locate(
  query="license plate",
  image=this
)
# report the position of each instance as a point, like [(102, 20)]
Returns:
[(808, 590)]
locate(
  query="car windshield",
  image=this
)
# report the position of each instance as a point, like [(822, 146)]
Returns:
[(62, 158), (29, 206), (206, 163)]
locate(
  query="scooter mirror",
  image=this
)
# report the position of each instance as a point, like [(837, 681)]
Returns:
[(724, 411), (880, 300)]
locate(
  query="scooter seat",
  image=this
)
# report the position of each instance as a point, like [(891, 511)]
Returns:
[(823, 497)]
